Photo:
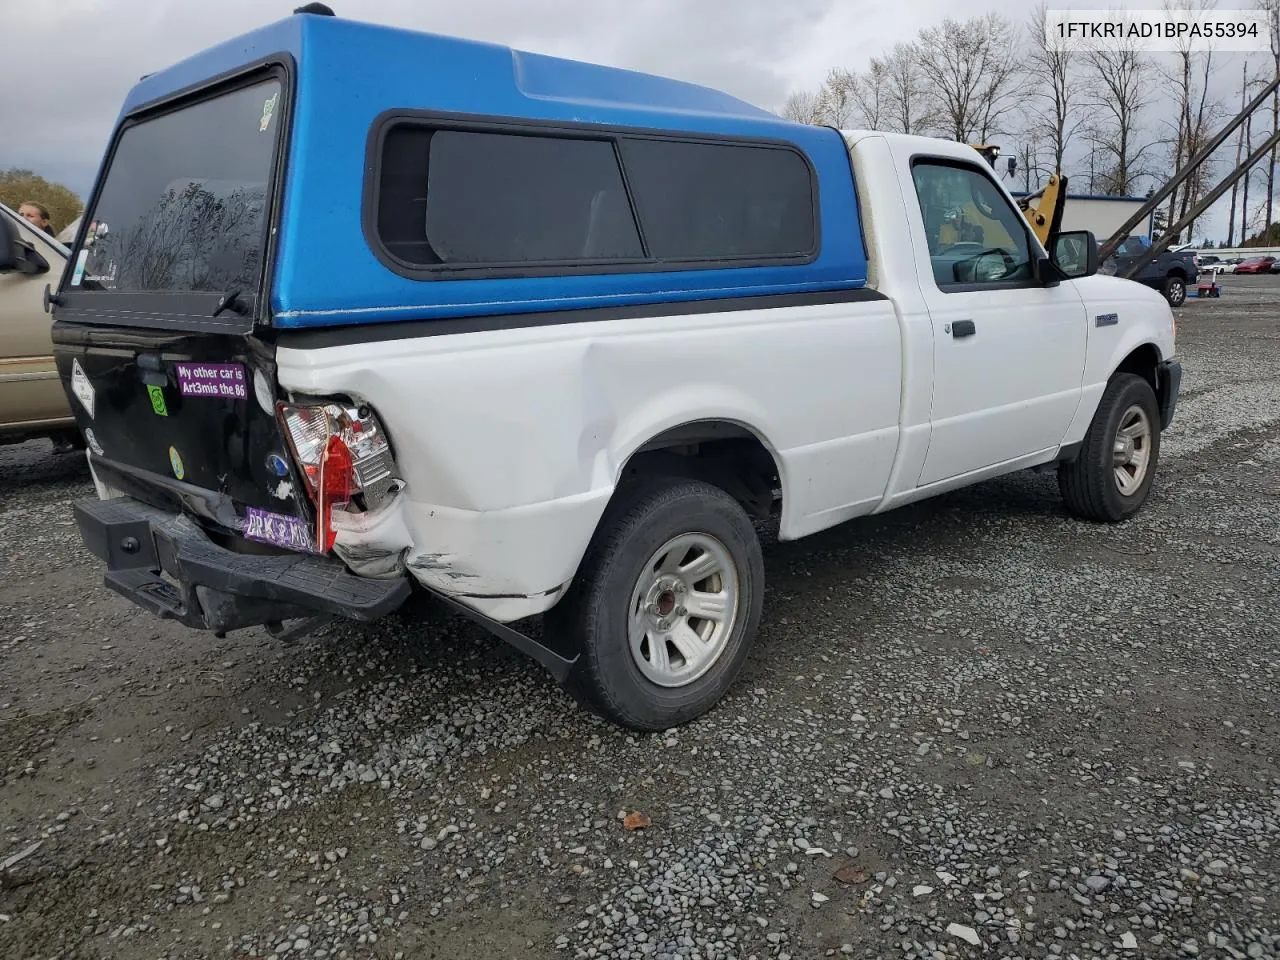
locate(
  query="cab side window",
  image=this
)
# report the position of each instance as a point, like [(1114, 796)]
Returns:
[(975, 236)]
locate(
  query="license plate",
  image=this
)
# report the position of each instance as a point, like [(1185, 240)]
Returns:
[(292, 533)]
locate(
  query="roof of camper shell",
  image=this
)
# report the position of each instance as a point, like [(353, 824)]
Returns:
[(347, 73)]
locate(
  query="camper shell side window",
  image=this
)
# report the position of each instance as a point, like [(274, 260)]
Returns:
[(449, 198)]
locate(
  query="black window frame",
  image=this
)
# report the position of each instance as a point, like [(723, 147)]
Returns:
[(1034, 250), (486, 123), (191, 311)]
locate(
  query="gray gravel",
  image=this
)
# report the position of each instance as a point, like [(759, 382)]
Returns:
[(973, 727)]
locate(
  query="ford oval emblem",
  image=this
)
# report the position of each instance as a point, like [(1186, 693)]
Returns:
[(276, 464)]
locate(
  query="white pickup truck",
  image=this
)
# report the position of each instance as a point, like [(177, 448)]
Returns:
[(552, 342)]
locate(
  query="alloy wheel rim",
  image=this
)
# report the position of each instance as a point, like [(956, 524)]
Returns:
[(683, 610), (1131, 452)]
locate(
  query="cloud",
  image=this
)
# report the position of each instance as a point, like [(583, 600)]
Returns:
[(93, 51), (84, 55)]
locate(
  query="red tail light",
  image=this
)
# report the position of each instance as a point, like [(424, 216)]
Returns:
[(337, 485), (343, 456)]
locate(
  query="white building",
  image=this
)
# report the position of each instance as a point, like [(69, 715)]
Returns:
[(1101, 215)]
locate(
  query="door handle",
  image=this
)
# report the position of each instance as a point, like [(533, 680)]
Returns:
[(963, 328)]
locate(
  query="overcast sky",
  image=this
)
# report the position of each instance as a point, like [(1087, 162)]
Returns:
[(82, 56)]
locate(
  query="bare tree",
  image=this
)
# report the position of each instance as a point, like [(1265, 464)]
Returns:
[(1121, 91), (804, 106), (1244, 146), (1248, 175), (1272, 8), (832, 104), (189, 239), (870, 97), (1056, 99), (970, 69), (839, 93), (1035, 157), (906, 101), (1197, 112)]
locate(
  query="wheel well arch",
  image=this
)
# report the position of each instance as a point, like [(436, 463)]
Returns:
[(1177, 272), (727, 453), (1144, 361)]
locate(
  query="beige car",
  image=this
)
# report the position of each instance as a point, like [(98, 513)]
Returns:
[(33, 402)]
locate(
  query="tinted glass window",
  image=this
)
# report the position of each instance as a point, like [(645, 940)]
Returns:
[(491, 198), (974, 234), (701, 200), (185, 201)]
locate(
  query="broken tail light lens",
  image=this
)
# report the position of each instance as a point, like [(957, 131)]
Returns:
[(337, 485), (343, 456)]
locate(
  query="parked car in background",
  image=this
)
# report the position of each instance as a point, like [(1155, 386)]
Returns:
[(1257, 265), (33, 403), (1170, 272)]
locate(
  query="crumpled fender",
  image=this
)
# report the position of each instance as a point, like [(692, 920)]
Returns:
[(373, 543)]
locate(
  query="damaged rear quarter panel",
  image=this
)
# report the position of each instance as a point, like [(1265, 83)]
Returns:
[(510, 441)]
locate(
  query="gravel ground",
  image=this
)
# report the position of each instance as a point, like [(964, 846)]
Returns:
[(973, 727)]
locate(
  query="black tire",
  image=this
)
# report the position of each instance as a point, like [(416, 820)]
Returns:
[(1089, 485), (594, 616), (69, 441), (1175, 291)]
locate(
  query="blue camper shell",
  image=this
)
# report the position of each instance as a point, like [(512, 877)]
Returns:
[(346, 83)]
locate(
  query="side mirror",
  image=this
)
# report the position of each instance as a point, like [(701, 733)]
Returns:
[(1075, 254), (16, 253)]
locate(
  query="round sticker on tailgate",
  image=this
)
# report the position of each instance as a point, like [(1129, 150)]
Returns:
[(175, 460)]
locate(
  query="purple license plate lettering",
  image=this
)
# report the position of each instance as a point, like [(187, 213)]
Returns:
[(291, 533), (218, 380)]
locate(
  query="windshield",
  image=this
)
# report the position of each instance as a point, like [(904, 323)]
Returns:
[(1132, 247), (185, 201)]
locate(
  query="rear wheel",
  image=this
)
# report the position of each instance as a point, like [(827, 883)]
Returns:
[(1175, 291), (665, 605), (1110, 478)]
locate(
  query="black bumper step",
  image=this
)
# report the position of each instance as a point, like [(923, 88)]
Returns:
[(210, 587)]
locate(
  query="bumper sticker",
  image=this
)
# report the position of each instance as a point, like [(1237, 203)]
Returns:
[(292, 533), (157, 400), (81, 387), (175, 461), (78, 274), (218, 380)]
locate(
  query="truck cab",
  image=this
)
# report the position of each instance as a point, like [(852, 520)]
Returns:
[(551, 342)]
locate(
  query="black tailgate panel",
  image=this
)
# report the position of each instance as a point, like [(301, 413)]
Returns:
[(182, 406)]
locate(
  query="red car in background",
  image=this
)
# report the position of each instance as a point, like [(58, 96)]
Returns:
[(1256, 265)]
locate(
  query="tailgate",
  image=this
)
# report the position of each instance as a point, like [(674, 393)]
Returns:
[(186, 420)]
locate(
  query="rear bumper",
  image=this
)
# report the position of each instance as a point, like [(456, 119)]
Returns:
[(1169, 378), (210, 587)]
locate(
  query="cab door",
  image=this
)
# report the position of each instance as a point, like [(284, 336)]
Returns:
[(31, 393), (1008, 350)]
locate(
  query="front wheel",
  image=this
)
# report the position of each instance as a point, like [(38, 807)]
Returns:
[(1110, 478), (665, 604), (1175, 291)]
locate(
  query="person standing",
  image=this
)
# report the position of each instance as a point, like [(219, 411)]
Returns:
[(38, 214)]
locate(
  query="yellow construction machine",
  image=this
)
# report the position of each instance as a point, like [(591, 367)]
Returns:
[(1042, 209)]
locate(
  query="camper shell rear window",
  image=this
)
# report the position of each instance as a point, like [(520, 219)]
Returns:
[(178, 231), (489, 198)]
